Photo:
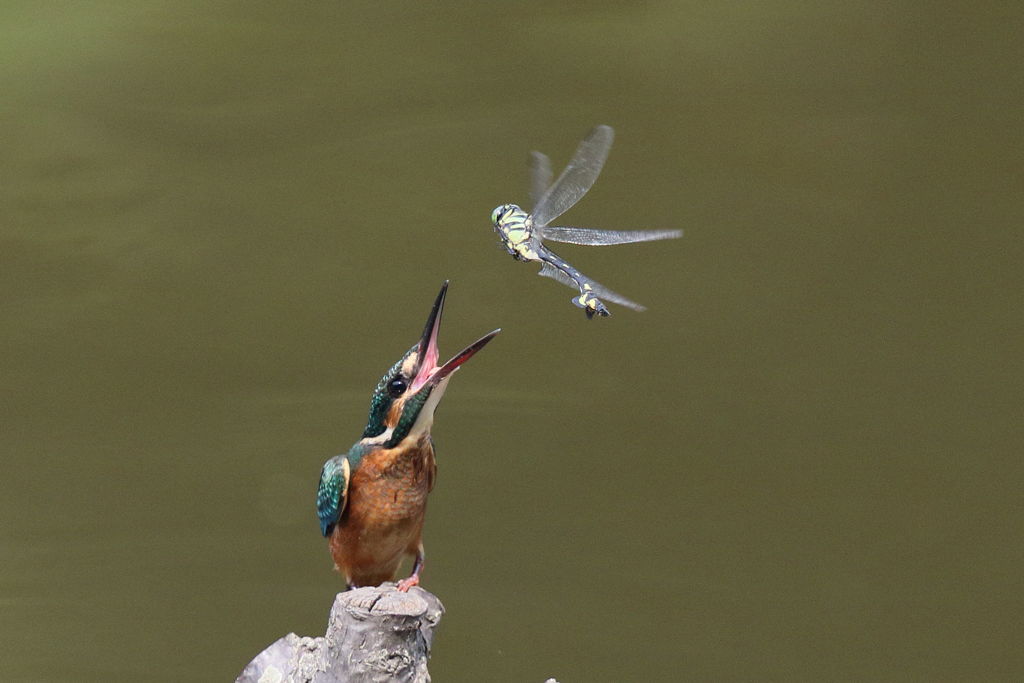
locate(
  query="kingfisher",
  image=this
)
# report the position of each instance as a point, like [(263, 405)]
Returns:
[(372, 500)]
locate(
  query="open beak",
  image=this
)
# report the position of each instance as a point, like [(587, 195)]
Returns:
[(428, 371)]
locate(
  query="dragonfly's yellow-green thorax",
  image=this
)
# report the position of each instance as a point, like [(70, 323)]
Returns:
[(515, 228)]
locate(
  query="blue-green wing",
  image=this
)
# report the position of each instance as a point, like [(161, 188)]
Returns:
[(333, 492)]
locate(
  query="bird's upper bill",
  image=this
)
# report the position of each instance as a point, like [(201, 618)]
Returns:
[(427, 371)]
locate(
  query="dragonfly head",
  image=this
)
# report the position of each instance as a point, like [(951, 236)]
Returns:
[(405, 398), (499, 214)]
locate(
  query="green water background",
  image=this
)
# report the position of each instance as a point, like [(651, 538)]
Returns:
[(222, 221)]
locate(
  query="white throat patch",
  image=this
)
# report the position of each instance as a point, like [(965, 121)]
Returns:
[(425, 420)]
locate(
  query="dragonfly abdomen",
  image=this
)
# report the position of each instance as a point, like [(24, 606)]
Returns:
[(586, 299)]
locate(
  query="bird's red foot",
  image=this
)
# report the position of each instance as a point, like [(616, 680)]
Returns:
[(405, 584)]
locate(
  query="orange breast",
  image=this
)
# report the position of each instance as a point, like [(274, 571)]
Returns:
[(383, 519)]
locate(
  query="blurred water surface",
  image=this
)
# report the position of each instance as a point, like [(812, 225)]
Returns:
[(223, 221)]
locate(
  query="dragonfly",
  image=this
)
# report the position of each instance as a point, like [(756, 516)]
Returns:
[(523, 233)]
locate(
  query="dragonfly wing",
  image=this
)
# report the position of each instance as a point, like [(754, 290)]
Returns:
[(597, 289), (592, 237), (540, 177), (577, 177)]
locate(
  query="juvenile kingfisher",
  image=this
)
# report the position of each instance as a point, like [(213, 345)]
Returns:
[(372, 500)]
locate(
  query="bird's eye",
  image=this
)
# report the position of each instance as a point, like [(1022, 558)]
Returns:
[(396, 387)]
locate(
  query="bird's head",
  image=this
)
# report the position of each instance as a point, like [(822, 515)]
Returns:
[(405, 398)]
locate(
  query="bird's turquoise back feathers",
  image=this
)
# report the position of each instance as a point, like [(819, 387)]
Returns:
[(332, 493), (330, 497)]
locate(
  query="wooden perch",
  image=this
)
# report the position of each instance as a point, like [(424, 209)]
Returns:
[(374, 634)]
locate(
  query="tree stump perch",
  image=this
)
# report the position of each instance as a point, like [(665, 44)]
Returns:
[(374, 634)]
